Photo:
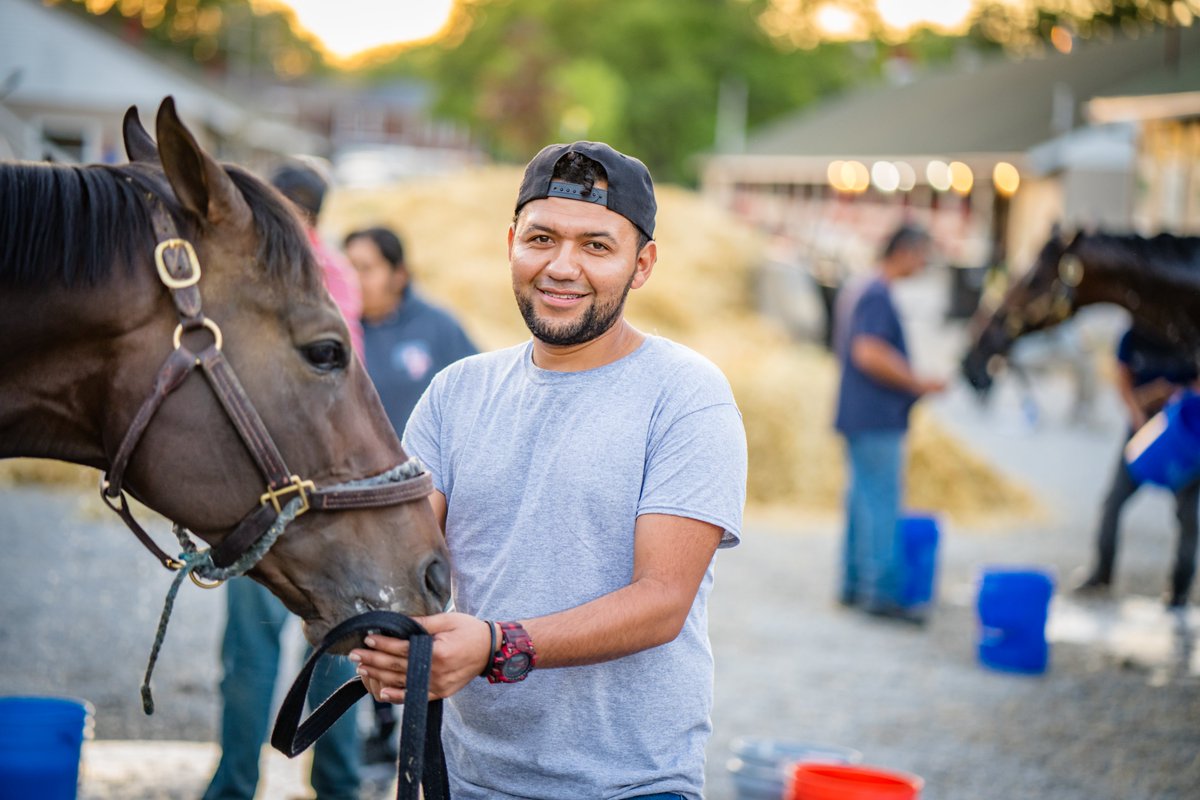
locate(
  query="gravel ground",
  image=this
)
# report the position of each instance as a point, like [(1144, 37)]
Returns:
[(81, 599)]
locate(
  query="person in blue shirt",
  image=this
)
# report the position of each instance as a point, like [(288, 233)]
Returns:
[(406, 341), (1149, 372), (878, 388)]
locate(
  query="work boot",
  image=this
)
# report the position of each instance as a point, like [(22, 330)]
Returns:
[(1175, 600), (1093, 585)]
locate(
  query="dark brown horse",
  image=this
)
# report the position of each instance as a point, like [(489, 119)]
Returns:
[(1156, 279), (88, 316)]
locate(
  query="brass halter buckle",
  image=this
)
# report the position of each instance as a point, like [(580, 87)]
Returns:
[(296, 485), (189, 252)]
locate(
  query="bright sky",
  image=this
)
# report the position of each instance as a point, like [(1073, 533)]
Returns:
[(839, 20), (348, 27), (904, 14)]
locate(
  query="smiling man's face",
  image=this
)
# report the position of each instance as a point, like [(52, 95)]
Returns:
[(573, 264)]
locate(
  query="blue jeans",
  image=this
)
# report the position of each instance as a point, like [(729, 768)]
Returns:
[(250, 658), (872, 560)]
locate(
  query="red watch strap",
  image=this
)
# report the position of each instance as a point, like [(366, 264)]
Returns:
[(515, 645)]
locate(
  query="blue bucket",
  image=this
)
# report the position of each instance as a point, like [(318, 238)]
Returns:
[(1013, 604), (1166, 450), (40, 743), (919, 541), (759, 767)]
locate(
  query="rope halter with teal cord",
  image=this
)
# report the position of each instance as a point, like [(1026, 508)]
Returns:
[(198, 563)]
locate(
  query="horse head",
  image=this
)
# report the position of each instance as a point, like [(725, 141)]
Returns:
[(96, 347), (1041, 298)]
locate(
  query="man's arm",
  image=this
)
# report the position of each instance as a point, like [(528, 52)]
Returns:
[(671, 555), (888, 366), (1135, 405)]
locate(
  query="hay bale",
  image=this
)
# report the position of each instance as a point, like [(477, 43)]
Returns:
[(701, 295), (44, 472)]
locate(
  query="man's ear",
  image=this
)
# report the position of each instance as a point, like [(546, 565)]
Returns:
[(646, 259)]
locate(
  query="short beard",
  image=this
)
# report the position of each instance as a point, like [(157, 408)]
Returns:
[(595, 321)]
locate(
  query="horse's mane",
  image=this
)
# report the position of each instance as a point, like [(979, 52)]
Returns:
[(68, 225), (1161, 252)]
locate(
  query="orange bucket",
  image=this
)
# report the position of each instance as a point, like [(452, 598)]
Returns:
[(851, 782)]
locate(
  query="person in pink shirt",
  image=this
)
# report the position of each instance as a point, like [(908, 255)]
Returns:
[(343, 286), (306, 188)]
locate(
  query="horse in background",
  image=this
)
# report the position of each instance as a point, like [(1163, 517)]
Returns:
[(107, 347), (1156, 279)]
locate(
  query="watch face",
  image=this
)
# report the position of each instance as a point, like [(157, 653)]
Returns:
[(516, 666)]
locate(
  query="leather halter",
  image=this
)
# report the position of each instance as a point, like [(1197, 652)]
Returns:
[(179, 270)]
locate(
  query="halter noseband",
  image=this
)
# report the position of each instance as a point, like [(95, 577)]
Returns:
[(179, 270)]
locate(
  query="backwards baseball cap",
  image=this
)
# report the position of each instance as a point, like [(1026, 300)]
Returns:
[(630, 191)]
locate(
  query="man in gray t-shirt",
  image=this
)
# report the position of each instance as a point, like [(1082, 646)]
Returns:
[(584, 481)]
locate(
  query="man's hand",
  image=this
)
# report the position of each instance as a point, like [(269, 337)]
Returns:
[(460, 653), (930, 386), (885, 364)]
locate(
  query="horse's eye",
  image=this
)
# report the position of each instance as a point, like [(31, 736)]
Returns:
[(326, 355)]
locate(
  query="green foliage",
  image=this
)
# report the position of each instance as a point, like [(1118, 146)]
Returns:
[(224, 36), (643, 76), (1023, 28)]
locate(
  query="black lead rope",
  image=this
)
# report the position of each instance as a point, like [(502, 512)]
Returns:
[(421, 761)]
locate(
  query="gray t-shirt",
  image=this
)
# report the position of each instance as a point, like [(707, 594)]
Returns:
[(545, 474)]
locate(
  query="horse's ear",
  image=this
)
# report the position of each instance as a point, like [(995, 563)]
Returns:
[(200, 183), (138, 144)]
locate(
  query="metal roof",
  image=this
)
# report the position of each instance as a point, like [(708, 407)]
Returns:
[(995, 106)]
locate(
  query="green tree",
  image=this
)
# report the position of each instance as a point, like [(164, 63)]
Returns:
[(223, 36), (643, 76)]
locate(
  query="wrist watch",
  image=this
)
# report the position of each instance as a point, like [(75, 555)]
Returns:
[(515, 658)]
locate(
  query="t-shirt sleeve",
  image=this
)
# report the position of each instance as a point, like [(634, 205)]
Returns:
[(422, 433), (874, 316), (697, 469)]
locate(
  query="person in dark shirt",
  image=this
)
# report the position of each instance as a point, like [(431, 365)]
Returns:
[(878, 388), (406, 341), (1149, 372)]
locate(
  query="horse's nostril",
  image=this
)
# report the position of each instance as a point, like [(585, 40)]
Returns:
[(437, 580)]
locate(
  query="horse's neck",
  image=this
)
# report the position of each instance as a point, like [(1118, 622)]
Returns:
[(1166, 301), (58, 365)]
